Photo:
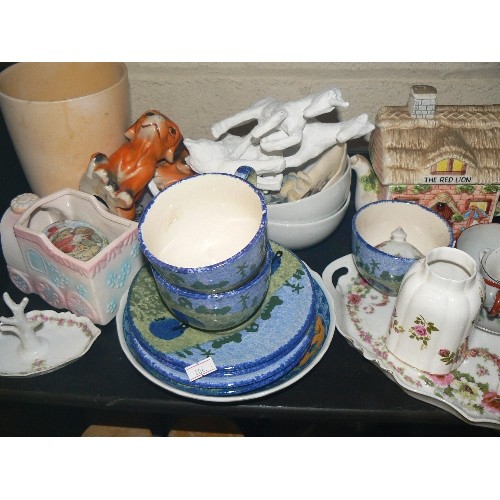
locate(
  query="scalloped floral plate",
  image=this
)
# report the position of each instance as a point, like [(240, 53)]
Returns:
[(363, 314), (68, 337)]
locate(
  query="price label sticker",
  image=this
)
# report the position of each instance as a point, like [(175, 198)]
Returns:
[(200, 369)]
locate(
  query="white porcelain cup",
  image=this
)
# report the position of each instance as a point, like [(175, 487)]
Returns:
[(59, 114), (490, 271)]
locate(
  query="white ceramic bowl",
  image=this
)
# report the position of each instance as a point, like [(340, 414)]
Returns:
[(297, 236), (323, 204)]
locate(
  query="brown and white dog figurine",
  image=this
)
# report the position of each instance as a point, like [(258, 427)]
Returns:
[(121, 178)]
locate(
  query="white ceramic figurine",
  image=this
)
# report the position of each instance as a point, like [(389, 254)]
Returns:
[(287, 136)]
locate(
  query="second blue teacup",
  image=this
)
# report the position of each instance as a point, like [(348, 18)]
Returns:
[(217, 311)]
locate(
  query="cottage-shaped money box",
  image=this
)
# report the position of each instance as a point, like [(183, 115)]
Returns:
[(444, 157)]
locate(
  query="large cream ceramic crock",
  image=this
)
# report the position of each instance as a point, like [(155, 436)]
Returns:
[(59, 114)]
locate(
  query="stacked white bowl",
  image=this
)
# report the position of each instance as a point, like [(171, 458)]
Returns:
[(303, 223)]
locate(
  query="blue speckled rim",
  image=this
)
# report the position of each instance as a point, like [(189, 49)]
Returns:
[(197, 295), (189, 270), (399, 202)]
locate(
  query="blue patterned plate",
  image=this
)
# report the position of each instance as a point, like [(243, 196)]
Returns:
[(214, 383), (324, 321), (289, 303)]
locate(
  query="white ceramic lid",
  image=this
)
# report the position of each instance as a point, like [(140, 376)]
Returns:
[(491, 263), (399, 247)]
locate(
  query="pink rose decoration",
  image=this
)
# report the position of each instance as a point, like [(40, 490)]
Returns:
[(420, 330), (442, 380), (353, 298), (491, 400)]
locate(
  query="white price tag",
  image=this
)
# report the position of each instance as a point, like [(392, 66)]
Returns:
[(200, 369)]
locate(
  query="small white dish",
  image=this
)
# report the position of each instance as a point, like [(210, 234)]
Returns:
[(67, 337), (363, 314)]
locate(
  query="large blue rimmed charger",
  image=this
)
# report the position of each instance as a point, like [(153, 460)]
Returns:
[(216, 384)]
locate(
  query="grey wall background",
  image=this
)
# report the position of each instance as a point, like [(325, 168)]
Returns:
[(196, 95)]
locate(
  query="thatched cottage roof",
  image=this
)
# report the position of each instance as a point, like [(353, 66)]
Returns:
[(403, 148)]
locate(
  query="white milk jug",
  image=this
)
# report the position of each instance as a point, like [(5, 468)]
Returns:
[(439, 299)]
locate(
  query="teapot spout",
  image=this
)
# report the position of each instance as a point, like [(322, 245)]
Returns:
[(367, 183)]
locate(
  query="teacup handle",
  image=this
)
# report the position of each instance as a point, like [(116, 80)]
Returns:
[(495, 308), (336, 269), (247, 173), (483, 252)]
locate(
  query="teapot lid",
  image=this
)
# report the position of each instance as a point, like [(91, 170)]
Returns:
[(399, 247)]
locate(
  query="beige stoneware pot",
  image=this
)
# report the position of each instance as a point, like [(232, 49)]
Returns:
[(59, 114)]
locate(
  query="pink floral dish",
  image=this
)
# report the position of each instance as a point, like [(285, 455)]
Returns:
[(470, 391), (39, 342)]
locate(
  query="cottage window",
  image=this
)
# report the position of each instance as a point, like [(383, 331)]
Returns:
[(451, 166), (483, 205)]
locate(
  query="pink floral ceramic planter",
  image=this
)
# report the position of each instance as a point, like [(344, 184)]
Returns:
[(85, 271)]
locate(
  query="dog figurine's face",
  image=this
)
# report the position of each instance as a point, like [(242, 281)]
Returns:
[(157, 129)]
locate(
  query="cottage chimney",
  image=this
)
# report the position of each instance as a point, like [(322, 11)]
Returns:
[(422, 101)]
